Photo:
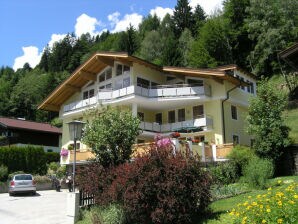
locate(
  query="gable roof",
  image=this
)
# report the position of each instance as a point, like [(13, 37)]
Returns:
[(28, 125), (98, 61)]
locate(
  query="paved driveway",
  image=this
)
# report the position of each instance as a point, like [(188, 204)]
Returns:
[(47, 207)]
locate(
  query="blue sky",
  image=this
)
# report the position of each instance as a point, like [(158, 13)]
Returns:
[(27, 26)]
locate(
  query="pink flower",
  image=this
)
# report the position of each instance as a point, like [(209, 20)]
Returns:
[(163, 143), (64, 152)]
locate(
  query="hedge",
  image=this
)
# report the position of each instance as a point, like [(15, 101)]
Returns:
[(28, 159), (52, 157)]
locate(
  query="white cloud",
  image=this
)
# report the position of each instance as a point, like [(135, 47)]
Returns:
[(56, 38), (208, 6), (121, 25), (113, 18), (31, 55), (87, 24), (161, 12)]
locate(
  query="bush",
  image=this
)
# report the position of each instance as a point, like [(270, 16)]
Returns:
[(10, 176), (257, 172), (29, 159), (52, 157), (225, 172), (42, 179), (241, 155), (158, 187), (272, 207), (3, 173)]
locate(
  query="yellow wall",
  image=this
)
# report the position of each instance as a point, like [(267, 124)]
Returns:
[(147, 73), (238, 126)]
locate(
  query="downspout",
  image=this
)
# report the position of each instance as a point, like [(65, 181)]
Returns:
[(223, 111)]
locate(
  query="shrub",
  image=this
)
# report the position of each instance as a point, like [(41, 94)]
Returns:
[(257, 172), (52, 157), (273, 207), (3, 173), (30, 159), (42, 179), (241, 155), (159, 187), (10, 176), (225, 172)]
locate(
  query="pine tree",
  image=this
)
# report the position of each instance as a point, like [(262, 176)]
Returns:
[(183, 17)]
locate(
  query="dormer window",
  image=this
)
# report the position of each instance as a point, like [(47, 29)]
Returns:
[(121, 69)]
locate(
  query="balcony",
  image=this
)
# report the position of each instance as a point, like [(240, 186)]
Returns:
[(205, 122), (164, 91)]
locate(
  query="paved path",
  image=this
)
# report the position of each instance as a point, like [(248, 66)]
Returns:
[(47, 207)]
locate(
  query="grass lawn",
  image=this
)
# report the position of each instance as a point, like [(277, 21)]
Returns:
[(219, 209), (291, 120)]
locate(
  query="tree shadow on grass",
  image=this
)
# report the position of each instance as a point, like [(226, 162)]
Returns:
[(209, 215)]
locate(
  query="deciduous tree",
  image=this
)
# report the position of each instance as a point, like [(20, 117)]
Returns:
[(111, 134)]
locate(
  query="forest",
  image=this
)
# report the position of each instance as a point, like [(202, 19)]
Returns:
[(249, 33)]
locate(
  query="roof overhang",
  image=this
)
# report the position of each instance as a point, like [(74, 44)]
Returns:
[(217, 74)]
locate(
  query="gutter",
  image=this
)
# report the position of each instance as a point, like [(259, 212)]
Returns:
[(223, 111)]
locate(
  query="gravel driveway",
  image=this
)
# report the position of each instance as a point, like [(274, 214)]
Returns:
[(47, 207)]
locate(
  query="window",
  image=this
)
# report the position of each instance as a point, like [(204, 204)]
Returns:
[(121, 69), (126, 82), (234, 112), (107, 74), (235, 139), (88, 94), (198, 111), (171, 116), (141, 116), (91, 93), (169, 78), (154, 85), (252, 88), (195, 82), (143, 82), (158, 118), (248, 88), (85, 95), (181, 115), (242, 80)]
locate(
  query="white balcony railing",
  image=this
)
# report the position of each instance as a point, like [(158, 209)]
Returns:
[(160, 91), (205, 122)]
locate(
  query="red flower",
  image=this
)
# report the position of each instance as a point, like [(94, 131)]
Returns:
[(175, 135)]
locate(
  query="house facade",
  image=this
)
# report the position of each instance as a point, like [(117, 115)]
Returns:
[(21, 132), (208, 105)]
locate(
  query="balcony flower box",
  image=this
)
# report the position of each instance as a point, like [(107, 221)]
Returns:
[(175, 135), (64, 152)]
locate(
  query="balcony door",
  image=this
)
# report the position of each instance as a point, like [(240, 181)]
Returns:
[(158, 118), (198, 111), (181, 115)]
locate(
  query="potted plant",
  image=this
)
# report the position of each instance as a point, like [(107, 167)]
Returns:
[(64, 152), (175, 135)]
